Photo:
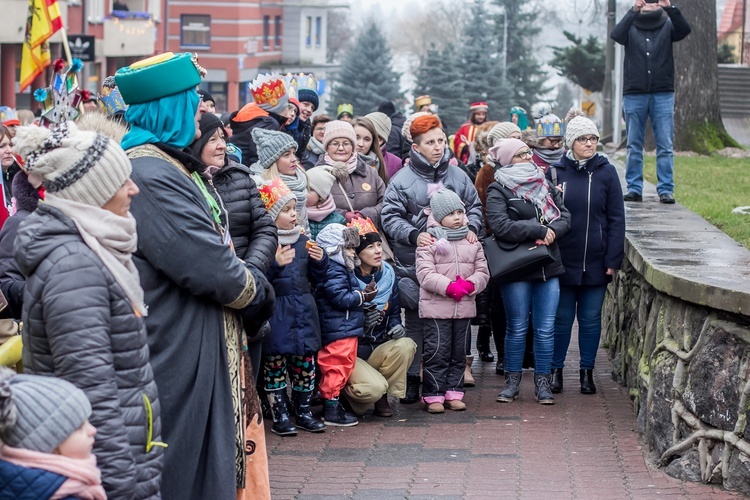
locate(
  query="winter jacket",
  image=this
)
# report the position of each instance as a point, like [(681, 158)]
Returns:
[(596, 240), (339, 304), (333, 218), (80, 326), (515, 220), (252, 230), (26, 483), (406, 198), (485, 177), (396, 144), (437, 267), (392, 316), (362, 192), (301, 136), (393, 163), (310, 159), (12, 281), (242, 133), (649, 62), (294, 324)]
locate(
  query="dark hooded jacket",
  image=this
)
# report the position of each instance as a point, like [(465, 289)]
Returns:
[(12, 281), (406, 199), (339, 304), (378, 335), (242, 132), (649, 61), (596, 240), (79, 325), (252, 230)]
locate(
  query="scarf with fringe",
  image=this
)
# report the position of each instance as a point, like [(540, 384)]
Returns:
[(527, 181)]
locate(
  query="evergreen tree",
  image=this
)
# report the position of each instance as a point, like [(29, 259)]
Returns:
[(366, 77), (581, 63), (482, 65), (439, 76), (524, 73)]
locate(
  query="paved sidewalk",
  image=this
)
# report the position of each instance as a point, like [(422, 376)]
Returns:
[(583, 447)]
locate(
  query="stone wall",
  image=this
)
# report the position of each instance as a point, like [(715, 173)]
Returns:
[(677, 328)]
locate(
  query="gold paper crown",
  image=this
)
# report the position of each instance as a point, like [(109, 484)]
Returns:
[(363, 226), (345, 108), (268, 89), (422, 100)]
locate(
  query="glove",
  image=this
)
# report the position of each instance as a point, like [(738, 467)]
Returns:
[(397, 332), (466, 286), (370, 291), (455, 290), (373, 317)]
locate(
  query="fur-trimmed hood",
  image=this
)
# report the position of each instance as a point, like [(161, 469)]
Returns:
[(99, 123)]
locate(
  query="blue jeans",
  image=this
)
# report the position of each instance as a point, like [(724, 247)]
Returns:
[(660, 109), (585, 302), (540, 299)]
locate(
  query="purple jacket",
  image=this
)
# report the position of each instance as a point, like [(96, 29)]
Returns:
[(437, 267), (392, 163)]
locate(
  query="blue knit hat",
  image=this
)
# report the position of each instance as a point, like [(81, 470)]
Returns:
[(271, 145)]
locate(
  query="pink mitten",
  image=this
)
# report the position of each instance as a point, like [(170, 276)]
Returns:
[(454, 291), (466, 286)]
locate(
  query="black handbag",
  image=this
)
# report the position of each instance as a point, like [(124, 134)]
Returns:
[(508, 262)]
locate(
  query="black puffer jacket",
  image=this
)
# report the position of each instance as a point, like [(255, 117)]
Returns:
[(12, 281), (649, 63), (80, 326), (252, 230), (242, 134), (516, 220)]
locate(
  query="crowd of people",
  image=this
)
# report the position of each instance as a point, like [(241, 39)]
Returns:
[(180, 273)]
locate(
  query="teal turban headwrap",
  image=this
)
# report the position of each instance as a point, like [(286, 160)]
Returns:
[(170, 120)]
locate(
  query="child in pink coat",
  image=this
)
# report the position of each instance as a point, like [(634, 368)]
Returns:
[(451, 272)]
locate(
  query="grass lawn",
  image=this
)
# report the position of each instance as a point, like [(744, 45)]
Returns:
[(712, 187)]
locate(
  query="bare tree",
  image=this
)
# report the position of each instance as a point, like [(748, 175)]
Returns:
[(339, 33)]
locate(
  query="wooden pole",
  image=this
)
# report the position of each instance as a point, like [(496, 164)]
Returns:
[(66, 45)]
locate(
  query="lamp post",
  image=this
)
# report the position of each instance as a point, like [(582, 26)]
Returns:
[(609, 67)]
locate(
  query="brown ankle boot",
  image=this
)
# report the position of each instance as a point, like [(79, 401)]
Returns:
[(468, 377), (383, 407)]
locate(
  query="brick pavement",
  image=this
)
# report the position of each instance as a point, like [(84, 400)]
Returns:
[(583, 447)]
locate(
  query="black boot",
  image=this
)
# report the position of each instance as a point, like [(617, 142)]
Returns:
[(264, 406), (587, 382), (500, 366), (557, 381), (335, 414), (412, 390), (302, 414), (282, 425), (483, 344), (542, 390)]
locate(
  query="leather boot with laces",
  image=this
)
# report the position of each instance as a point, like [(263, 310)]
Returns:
[(512, 387), (542, 389)]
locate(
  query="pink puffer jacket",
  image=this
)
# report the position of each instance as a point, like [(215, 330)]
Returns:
[(437, 267)]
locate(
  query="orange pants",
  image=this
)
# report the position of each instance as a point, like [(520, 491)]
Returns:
[(336, 362)]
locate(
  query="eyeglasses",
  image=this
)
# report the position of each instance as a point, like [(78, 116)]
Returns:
[(341, 145), (524, 154), (590, 138), (554, 140)]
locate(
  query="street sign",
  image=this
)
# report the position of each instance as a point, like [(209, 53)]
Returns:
[(82, 47)]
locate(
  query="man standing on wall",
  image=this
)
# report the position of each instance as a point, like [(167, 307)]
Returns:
[(648, 31)]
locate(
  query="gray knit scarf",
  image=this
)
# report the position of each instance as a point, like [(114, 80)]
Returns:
[(449, 234), (316, 146), (289, 236), (527, 181), (550, 156), (298, 185)]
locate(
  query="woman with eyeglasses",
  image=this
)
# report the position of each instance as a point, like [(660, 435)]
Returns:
[(524, 208), (593, 249), (359, 190)]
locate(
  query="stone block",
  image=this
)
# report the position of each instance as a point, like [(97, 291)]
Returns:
[(687, 467)]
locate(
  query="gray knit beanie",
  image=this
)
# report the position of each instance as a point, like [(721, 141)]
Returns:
[(74, 164), (382, 124), (501, 131), (578, 127), (443, 202), (271, 145), (320, 180), (334, 238), (38, 413)]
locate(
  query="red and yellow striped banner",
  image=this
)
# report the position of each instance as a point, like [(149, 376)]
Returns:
[(42, 22)]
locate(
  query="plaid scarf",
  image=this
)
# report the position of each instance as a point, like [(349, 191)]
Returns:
[(527, 181)]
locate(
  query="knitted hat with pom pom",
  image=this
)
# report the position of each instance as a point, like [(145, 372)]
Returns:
[(443, 201)]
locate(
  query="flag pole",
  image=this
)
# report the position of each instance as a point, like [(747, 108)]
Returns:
[(66, 45)]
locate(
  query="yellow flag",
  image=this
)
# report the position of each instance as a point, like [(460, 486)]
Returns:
[(41, 23)]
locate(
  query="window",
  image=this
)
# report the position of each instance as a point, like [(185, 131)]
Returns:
[(318, 30), (195, 31), (95, 10), (308, 31), (266, 31), (277, 33)]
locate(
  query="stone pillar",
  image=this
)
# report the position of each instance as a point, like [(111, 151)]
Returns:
[(8, 72)]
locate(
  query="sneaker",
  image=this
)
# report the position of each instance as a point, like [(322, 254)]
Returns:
[(334, 414), (435, 408), (632, 196), (455, 405), (666, 198)]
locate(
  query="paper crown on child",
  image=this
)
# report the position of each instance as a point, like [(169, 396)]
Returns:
[(269, 92), (159, 76), (275, 195), (547, 123), (8, 116), (368, 233), (307, 88), (345, 108), (111, 99), (61, 99), (423, 100)]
